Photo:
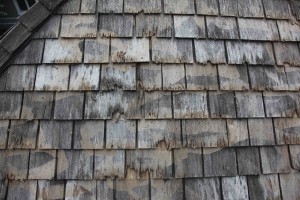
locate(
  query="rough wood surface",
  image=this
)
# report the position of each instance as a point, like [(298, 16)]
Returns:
[(233, 77), (219, 162), (222, 105), (37, 105), (10, 105), (210, 51), (206, 188), (173, 77), (114, 76), (264, 187), (55, 135), (158, 105), (109, 164), (42, 161), (248, 159), (275, 159), (75, 164), (132, 189), (3, 133), (292, 76), (105, 189), (96, 50), (207, 7), (237, 132), (249, 105), (31, 54), (22, 134), (81, 190), (179, 7), (188, 163), (159, 133), (22, 190), (287, 54), (295, 5), (222, 28), (110, 6), (3, 188), (189, 26), (289, 31), (130, 50), (167, 189), (287, 131), (251, 8), (154, 25), (228, 7), (89, 134), (50, 189), (204, 133), (149, 77), (279, 9), (235, 188), (295, 156), (4, 56), (88, 6), (172, 51), (70, 7), (136, 6), (78, 26), (190, 105), (115, 26), (63, 51), (289, 184), (261, 132), (280, 104)]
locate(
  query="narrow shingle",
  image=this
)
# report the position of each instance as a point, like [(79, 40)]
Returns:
[(3, 133), (295, 156)]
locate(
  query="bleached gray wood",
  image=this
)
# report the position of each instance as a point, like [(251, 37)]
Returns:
[(295, 156), (268, 78), (78, 26), (249, 105), (235, 188), (4, 56), (203, 188), (115, 26), (207, 7), (88, 6), (120, 133), (37, 105), (81, 190), (52, 78), (73, 164), (258, 29), (228, 7), (222, 105), (190, 105), (132, 189), (287, 131), (18, 78), (154, 25), (189, 26), (68, 105), (136, 6), (42, 164), (237, 132), (179, 7), (264, 187), (173, 77), (279, 9), (70, 7), (102, 105), (172, 51), (159, 133), (84, 77), (157, 162), (150, 77), (275, 159), (10, 166), (3, 188), (22, 134), (50, 189), (63, 51), (210, 51), (295, 8), (280, 104), (250, 52), (188, 163), (105, 189), (261, 132), (292, 75), (222, 28), (31, 54), (89, 134), (219, 162), (10, 105), (3, 133), (289, 31), (118, 76), (287, 54), (22, 190), (109, 164), (130, 50), (96, 50), (158, 105), (289, 184), (204, 133), (251, 8), (110, 6), (199, 77), (55, 135), (233, 77), (248, 160), (167, 189)]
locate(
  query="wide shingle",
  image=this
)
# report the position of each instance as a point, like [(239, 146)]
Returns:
[(264, 186), (110, 6), (251, 8), (210, 51), (235, 188), (287, 131), (31, 54), (115, 26), (78, 26), (22, 190), (222, 28), (207, 7), (288, 31), (261, 132), (222, 105), (289, 184), (287, 53), (50, 29), (179, 7), (42, 164), (203, 188), (237, 132), (280, 104), (51, 189), (173, 77), (279, 9), (96, 50), (248, 159), (10, 105), (136, 6), (249, 105), (149, 77), (189, 26), (228, 7), (87, 190), (3, 133), (158, 105)]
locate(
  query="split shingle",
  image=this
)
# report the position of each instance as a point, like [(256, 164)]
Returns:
[(3, 133), (158, 105)]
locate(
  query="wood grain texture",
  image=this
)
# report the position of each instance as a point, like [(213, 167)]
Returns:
[(210, 51), (228, 7), (289, 184), (4, 57), (22, 190), (207, 7), (277, 9), (51, 189), (96, 50), (105, 189), (3, 188), (222, 105), (88, 6), (31, 54), (149, 77), (237, 132), (234, 188), (81, 190), (261, 132), (110, 6), (292, 74), (167, 189), (248, 159), (222, 28), (289, 31), (3, 133), (132, 189), (69, 7), (10, 105), (280, 104), (78, 26), (42, 164), (179, 7), (264, 186), (287, 131), (203, 188), (115, 26), (136, 6), (295, 156), (158, 105), (249, 105), (173, 77), (189, 26), (251, 8), (287, 54)]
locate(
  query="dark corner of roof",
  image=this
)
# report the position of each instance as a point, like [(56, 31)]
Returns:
[(27, 24)]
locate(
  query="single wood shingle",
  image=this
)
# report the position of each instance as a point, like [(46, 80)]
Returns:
[(136, 6), (10, 105), (249, 105), (42, 164), (50, 29), (78, 26), (237, 132), (277, 9), (203, 188), (51, 189), (189, 26), (88, 6), (96, 50), (251, 8), (149, 77), (207, 7), (261, 132), (132, 189), (80, 190), (222, 28), (115, 26), (31, 54), (22, 190), (229, 7), (110, 6), (158, 105), (248, 159), (289, 31), (210, 51), (289, 184), (287, 53), (179, 7), (234, 188), (222, 105), (167, 189), (173, 77), (295, 156), (264, 186), (70, 7), (280, 104), (287, 131)]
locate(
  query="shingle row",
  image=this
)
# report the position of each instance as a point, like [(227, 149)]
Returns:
[(142, 164)]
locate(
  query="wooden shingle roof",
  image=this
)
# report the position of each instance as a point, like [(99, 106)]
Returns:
[(156, 99)]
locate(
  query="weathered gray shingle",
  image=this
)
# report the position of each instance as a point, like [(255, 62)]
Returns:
[(42, 164), (295, 5), (289, 184), (295, 156), (189, 26), (264, 186), (78, 26), (51, 189), (222, 28), (235, 188), (158, 105), (167, 189), (203, 188), (149, 77), (3, 133), (105, 189), (50, 29), (280, 104), (251, 8), (287, 53), (4, 56), (288, 31), (10, 105), (179, 6), (222, 105), (173, 77), (287, 131), (96, 50), (132, 189), (261, 132), (31, 54), (115, 26), (279, 9), (88, 6), (292, 75), (237, 132), (248, 159), (80, 190), (210, 51), (207, 7), (228, 7), (110, 6), (249, 105), (22, 190), (137, 6), (70, 7)]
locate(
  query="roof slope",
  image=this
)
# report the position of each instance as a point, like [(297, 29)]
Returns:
[(172, 99)]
